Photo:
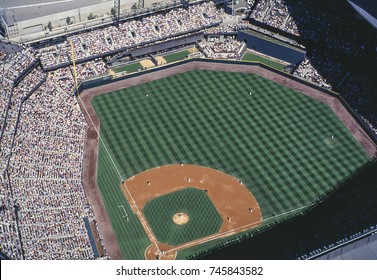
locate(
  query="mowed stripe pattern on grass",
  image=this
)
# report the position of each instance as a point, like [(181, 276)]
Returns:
[(132, 240), (286, 147), (204, 219)]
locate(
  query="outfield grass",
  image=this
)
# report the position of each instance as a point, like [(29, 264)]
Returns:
[(258, 58), (128, 68), (204, 218), (176, 56), (287, 148)]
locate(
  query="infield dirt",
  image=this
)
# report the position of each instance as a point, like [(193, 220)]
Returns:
[(234, 202)]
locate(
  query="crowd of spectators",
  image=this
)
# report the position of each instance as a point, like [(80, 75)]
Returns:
[(292, 17), (11, 96), (2, 55), (359, 91), (228, 48), (336, 48), (5, 89), (275, 13), (227, 28), (46, 171), (42, 138), (10, 69), (42, 200), (93, 68), (9, 238), (130, 34), (297, 18), (17, 63), (306, 71), (343, 225)]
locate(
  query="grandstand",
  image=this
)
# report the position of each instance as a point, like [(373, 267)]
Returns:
[(46, 212)]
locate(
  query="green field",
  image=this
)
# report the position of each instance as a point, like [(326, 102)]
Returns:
[(204, 218), (176, 56), (258, 58), (129, 68), (287, 148)]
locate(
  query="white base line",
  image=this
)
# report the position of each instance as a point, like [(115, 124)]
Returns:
[(140, 216), (99, 137), (116, 168)]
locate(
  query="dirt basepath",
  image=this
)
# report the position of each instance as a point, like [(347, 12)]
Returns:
[(91, 147)]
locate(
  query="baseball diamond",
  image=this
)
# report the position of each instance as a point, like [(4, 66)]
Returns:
[(281, 139), (195, 193)]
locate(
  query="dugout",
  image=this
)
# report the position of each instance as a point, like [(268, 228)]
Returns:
[(271, 47)]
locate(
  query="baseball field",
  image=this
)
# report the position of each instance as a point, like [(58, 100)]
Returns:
[(285, 148)]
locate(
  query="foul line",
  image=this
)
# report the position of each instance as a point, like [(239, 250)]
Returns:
[(120, 176), (100, 138), (141, 216), (95, 128)]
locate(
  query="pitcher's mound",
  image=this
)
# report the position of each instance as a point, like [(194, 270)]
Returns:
[(180, 218)]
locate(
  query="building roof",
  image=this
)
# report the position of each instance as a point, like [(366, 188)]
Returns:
[(30, 9), (367, 9)]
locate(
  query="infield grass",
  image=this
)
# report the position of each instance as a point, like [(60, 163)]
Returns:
[(204, 219), (287, 148)]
